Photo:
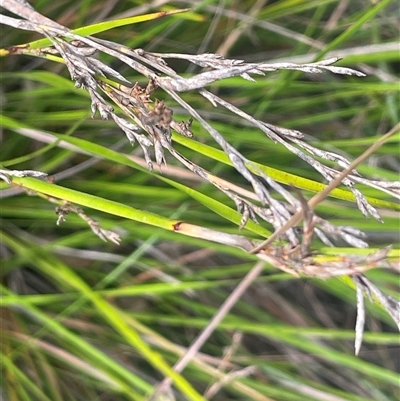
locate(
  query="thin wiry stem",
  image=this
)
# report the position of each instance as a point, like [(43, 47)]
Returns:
[(212, 325)]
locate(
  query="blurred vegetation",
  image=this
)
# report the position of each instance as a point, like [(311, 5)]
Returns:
[(83, 319)]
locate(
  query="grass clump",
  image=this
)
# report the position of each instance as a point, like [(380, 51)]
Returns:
[(223, 246)]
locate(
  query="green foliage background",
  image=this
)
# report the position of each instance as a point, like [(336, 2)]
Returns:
[(84, 319)]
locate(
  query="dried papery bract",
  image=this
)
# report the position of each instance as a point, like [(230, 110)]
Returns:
[(6, 175)]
